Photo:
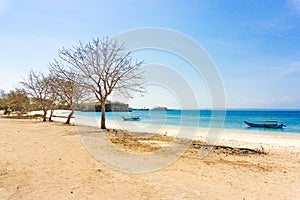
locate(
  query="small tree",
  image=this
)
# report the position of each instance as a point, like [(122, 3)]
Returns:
[(2, 100), (17, 100), (102, 67), (37, 86), (66, 88), (53, 95)]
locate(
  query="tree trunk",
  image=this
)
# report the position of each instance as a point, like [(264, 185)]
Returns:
[(103, 115), (69, 117), (50, 118), (45, 114)]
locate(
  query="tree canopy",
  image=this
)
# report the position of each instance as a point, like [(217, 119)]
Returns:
[(101, 67), (38, 87)]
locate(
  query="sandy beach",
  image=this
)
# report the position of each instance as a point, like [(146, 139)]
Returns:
[(49, 161)]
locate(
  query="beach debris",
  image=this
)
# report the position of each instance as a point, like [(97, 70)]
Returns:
[(227, 149), (146, 142)]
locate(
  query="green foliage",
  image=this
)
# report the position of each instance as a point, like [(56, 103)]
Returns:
[(15, 100), (2, 100), (19, 100)]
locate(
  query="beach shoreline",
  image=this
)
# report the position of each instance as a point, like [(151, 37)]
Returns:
[(216, 136), (42, 159)]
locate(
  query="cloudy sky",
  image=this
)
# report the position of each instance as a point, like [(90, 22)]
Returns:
[(255, 45)]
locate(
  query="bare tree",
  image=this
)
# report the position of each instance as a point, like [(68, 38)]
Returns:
[(66, 83), (103, 66), (37, 86), (53, 95)]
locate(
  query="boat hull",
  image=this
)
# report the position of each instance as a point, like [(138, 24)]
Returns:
[(131, 118), (264, 125)]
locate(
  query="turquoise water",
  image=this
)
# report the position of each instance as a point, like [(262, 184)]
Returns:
[(233, 119)]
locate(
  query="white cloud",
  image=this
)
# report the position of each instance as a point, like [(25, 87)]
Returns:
[(291, 68)]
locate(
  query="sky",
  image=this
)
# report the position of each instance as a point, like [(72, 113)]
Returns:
[(255, 45)]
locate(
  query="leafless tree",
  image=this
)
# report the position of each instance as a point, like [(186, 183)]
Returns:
[(65, 85), (54, 96), (37, 86), (103, 66)]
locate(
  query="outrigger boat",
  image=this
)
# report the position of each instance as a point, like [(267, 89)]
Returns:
[(266, 124), (133, 118)]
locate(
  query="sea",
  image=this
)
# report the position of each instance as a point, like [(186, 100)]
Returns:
[(225, 119)]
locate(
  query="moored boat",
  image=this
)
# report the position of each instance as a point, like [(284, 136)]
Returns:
[(133, 118), (266, 124)]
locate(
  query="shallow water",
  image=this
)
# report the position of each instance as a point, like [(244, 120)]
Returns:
[(230, 119)]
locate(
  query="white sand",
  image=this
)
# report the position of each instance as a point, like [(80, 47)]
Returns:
[(239, 138), (41, 160), (61, 113)]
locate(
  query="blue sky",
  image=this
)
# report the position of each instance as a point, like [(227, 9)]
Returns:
[(254, 44)]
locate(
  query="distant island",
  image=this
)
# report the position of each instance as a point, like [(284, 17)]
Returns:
[(147, 109), (160, 108), (109, 107)]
